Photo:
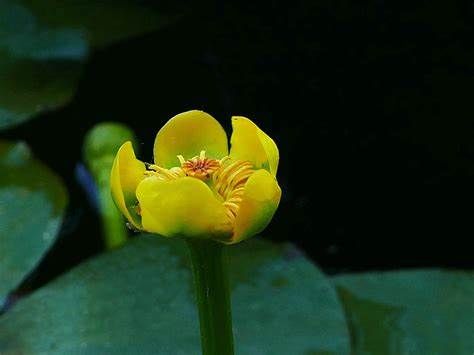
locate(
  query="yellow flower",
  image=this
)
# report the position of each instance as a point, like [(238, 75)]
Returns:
[(196, 188)]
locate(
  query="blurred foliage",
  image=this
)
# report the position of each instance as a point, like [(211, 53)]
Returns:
[(32, 202), (425, 312), (139, 299), (44, 44), (102, 143), (100, 146), (102, 22)]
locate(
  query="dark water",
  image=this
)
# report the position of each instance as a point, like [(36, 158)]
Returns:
[(370, 106)]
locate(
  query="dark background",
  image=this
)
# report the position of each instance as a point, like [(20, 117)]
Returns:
[(369, 104)]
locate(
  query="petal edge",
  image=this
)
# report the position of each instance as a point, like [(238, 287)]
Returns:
[(187, 134), (127, 172), (259, 203), (249, 142)]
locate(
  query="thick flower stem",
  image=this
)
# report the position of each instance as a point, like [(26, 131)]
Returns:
[(209, 266)]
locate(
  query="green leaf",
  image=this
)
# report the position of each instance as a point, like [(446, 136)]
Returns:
[(30, 87), (32, 201), (410, 312), (44, 44), (103, 22), (139, 300)]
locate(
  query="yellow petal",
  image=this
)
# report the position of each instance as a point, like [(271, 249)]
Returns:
[(248, 142), (185, 207), (187, 134), (259, 203), (127, 172)]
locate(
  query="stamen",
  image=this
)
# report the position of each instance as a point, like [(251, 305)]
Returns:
[(221, 178), (181, 159), (178, 172), (229, 182), (223, 160), (162, 173)]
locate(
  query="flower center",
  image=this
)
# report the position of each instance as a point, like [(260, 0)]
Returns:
[(227, 178), (199, 167)]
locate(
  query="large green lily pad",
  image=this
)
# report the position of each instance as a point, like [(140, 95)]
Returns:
[(139, 300), (32, 201), (426, 312), (44, 43)]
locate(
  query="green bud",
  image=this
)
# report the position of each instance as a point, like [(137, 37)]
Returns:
[(100, 146), (102, 143)]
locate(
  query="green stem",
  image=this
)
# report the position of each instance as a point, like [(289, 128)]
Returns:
[(213, 297), (113, 226)]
